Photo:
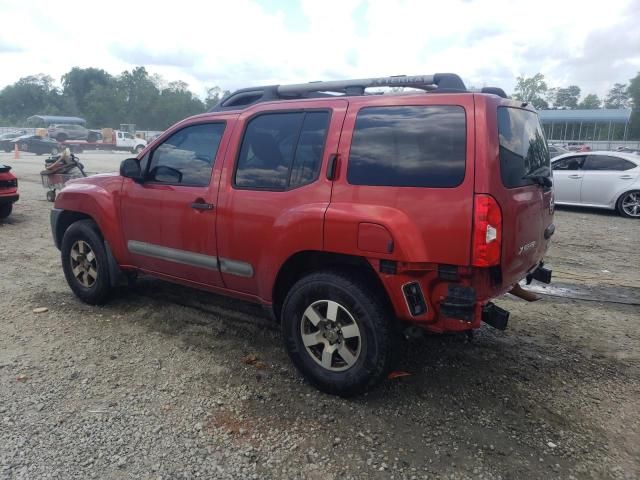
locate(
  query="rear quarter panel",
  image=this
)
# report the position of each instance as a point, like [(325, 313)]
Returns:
[(426, 224)]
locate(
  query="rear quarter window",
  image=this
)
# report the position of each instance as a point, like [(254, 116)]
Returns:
[(523, 147), (408, 146)]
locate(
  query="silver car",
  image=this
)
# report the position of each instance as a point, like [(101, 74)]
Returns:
[(598, 179)]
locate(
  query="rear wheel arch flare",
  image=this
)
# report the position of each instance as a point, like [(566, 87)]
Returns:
[(306, 262)]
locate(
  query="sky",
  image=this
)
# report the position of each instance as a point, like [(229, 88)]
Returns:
[(241, 43)]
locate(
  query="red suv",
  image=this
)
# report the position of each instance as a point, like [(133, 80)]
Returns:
[(8, 191), (347, 214)]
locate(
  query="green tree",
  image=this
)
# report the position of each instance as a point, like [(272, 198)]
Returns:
[(140, 94), (30, 95), (174, 103), (618, 97), (633, 92), (78, 82), (532, 90), (567, 97), (106, 105), (591, 101), (214, 95)]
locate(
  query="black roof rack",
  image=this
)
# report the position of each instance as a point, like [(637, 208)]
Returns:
[(438, 83)]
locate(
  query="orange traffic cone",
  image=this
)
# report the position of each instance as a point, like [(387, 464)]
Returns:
[(16, 152)]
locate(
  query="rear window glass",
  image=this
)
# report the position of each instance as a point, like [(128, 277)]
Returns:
[(412, 146), (523, 148), (607, 162)]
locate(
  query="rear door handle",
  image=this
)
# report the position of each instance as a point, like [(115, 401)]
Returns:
[(201, 205), (575, 176), (626, 177)]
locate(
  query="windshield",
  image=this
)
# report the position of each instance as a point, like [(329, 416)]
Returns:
[(523, 148)]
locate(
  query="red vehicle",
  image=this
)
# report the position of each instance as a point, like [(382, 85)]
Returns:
[(347, 215), (8, 191)]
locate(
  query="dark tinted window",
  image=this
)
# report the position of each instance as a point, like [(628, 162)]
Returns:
[(418, 146), (282, 150), (570, 163), (606, 162), (523, 148), (187, 156)]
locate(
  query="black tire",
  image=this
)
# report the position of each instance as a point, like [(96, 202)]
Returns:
[(24, 147), (86, 231), (51, 195), (5, 210), (55, 151), (8, 148), (373, 319), (625, 196), (138, 149)]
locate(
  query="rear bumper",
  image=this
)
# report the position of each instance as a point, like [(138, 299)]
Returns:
[(13, 198), (452, 300)]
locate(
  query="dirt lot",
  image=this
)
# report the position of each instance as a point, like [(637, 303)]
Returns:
[(157, 383)]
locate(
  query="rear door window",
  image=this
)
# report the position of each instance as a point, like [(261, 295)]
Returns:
[(408, 146), (607, 162), (523, 148), (282, 150), (569, 163)]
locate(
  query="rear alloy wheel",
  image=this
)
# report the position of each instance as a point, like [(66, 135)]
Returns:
[(337, 332), (629, 204), (55, 151), (84, 261)]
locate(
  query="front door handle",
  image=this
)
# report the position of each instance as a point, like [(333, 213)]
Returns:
[(575, 176), (202, 205)]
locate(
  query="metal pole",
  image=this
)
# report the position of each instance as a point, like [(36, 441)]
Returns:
[(609, 137), (551, 134), (624, 137), (580, 132)]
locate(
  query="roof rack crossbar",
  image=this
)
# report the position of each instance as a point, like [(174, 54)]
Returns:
[(441, 82)]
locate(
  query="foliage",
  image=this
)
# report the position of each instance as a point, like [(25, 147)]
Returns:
[(591, 101), (618, 97), (567, 97), (147, 101), (532, 90)]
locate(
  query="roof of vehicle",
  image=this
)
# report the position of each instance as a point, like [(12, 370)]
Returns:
[(49, 119), (627, 156), (618, 115), (436, 83)]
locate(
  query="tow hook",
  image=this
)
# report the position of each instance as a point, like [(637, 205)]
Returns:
[(495, 316), (520, 292)]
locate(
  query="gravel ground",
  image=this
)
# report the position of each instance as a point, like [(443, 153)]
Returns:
[(168, 383)]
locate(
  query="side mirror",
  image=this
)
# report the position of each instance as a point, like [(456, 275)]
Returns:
[(130, 168)]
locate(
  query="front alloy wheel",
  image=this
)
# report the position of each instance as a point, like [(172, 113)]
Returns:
[(83, 263)]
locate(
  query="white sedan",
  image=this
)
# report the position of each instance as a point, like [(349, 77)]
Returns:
[(598, 179)]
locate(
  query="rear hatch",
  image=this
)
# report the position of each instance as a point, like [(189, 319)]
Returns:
[(524, 192), (512, 163)]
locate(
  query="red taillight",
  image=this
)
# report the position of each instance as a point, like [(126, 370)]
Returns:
[(487, 231)]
